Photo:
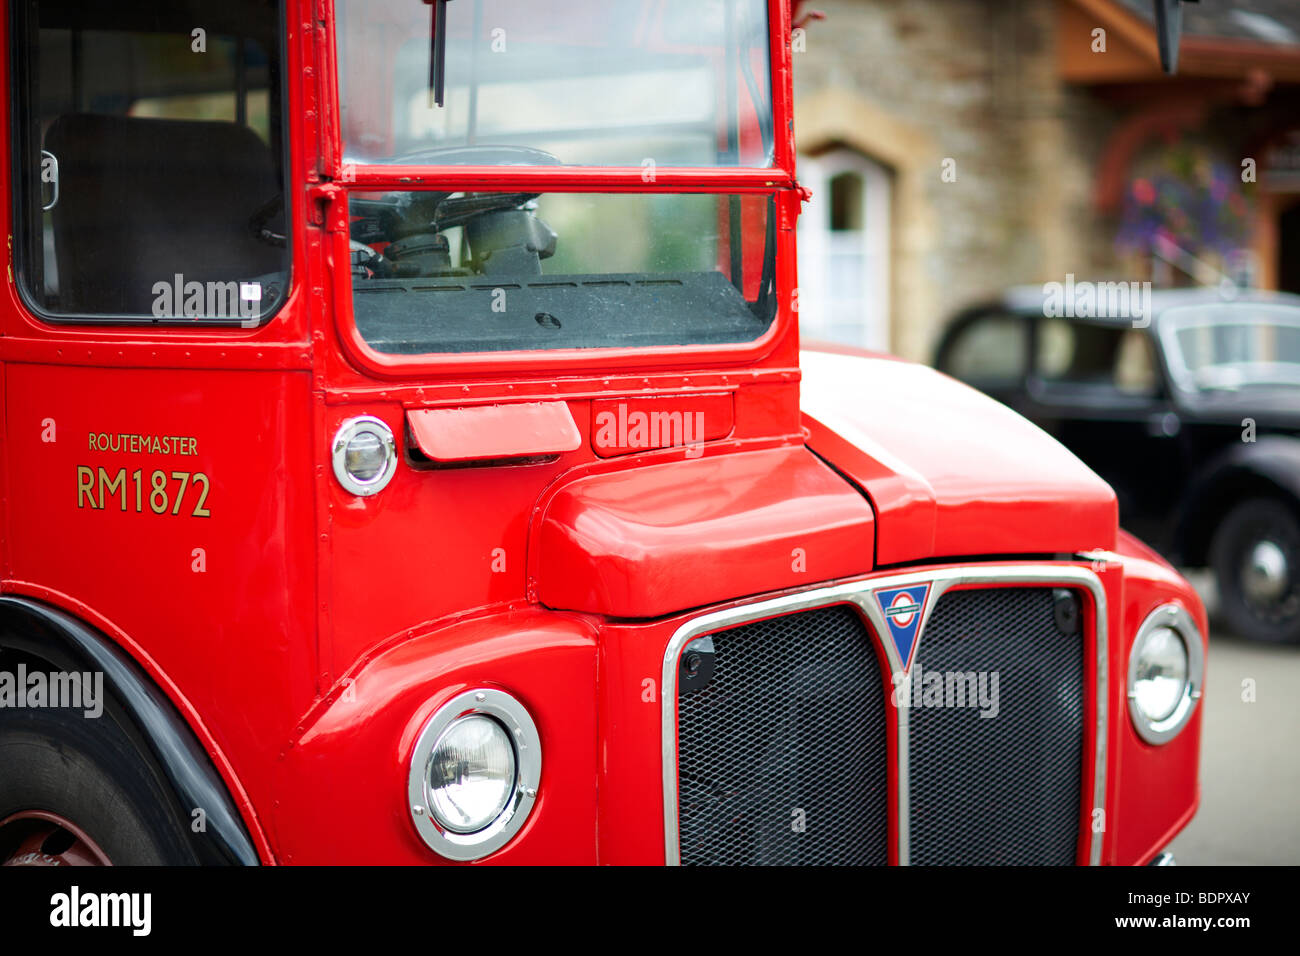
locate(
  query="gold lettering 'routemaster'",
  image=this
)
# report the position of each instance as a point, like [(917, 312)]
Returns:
[(176, 493), (142, 444)]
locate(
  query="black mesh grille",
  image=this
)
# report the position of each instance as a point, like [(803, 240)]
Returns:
[(781, 756), (1004, 789)]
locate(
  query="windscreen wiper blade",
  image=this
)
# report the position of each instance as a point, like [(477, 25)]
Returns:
[(438, 52)]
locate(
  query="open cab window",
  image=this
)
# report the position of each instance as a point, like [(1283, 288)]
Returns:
[(149, 160), (521, 88), (588, 82)]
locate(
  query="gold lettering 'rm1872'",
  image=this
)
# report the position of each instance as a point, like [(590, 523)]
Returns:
[(158, 491)]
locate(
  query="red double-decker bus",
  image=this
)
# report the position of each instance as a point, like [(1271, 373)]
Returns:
[(408, 457)]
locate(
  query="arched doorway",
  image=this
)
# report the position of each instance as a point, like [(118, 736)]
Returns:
[(844, 242)]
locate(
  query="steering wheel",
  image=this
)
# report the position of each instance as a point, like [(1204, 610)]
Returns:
[(477, 156), (400, 215), (417, 212)]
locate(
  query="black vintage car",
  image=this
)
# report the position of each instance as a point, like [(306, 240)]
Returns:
[(1191, 411)]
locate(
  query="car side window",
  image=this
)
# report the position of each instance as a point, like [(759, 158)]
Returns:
[(1105, 358), (149, 173), (989, 351)]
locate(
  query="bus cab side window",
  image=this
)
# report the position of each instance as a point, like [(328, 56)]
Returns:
[(149, 162)]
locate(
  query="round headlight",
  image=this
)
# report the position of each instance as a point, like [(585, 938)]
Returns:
[(474, 774), (364, 454), (471, 774), (1161, 674), (1164, 674)]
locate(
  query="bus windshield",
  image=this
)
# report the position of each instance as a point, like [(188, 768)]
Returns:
[(437, 272), (585, 82)]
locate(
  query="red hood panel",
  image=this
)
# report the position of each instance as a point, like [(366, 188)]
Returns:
[(649, 541), (950, 471)]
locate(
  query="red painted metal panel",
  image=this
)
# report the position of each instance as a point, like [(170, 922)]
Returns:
[(603, 179), (341, 786), (951, 472), (1155, 788), (180, 526), (653, 540), (488, 432)]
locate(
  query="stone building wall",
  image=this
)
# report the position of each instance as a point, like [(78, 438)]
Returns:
[(911, 83)]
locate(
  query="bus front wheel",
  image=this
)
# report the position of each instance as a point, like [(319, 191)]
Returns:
[(76, 791)]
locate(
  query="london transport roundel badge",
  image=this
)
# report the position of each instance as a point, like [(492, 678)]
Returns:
[(903, 609)]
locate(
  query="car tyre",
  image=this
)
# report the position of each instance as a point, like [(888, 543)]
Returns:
[(1255, 555), (76, 790)]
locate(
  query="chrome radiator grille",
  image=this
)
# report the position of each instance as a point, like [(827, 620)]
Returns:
[(782, 754), (778, 746)]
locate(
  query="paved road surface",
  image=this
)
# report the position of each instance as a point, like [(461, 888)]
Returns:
[(1250, 754)]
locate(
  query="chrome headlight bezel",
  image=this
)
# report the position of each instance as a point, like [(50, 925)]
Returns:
[(1177, 619), (521, 730), (350, 429)]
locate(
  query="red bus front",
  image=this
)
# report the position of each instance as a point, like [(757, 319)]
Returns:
[(404, 413)]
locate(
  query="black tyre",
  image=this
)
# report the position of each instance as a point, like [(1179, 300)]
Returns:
[(76, 790), (1256, 559)]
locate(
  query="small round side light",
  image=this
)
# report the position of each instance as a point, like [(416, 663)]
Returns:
[(364, 455)]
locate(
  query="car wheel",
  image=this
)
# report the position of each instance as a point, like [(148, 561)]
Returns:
[(1256, 560), (75, 791)]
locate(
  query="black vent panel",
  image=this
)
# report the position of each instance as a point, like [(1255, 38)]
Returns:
[(782, 752), (1002, 789)]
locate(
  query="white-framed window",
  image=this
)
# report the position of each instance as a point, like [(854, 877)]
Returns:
[(844, 250)]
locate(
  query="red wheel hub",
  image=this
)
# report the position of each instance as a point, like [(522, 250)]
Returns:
[(39, 838)]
